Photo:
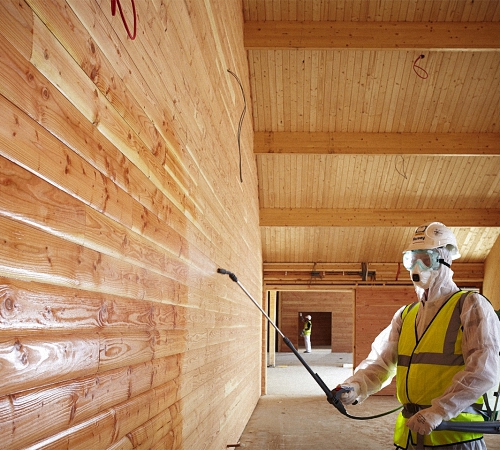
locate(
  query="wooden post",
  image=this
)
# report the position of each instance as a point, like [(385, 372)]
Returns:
[(272, 331)]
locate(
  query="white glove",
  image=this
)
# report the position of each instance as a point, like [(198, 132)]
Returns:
[(348, 398), (424, 421)]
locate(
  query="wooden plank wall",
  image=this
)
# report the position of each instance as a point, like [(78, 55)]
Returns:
[(120, 196), (339, 303), (374, 309), (491, 286)]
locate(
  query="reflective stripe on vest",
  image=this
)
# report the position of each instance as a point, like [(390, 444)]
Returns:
[(426, 368)]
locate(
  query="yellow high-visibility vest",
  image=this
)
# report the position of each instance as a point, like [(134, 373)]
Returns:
[(426, 368), (307, 328)]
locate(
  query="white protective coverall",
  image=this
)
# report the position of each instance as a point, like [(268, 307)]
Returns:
[(480, 345)]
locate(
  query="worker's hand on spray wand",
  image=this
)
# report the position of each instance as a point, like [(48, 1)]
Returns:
[(348, 393), (424, 421)]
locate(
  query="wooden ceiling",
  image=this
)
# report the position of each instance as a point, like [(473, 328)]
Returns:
[(372, 117)]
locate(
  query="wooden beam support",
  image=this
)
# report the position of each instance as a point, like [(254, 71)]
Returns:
[(448, 144), (372, 35), (333, 276), (357, 217)]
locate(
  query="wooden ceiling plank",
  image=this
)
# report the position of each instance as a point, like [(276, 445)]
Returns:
[(492, 194), (468, 115), (349, 111), (462, 109), (478, 181), (460, 80), (433, 65), (407, 143), (407, 105), (293, 91), (301, 81), (361, 88), (338, 103), (265, 67), (356, 217), (446, 60), (494, 13), (369, 10), (424, 104), (493, 100), (379, 91), (273, 89), (310, 89), (396, 71), (285, 96), (256, 88), (326, 99), (383, 92), (374, 35)]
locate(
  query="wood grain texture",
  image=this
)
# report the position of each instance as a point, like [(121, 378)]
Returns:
[(119, 198), (373, 35)]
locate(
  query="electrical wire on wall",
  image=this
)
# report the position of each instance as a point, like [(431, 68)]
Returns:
[(420, 71), (241, 118), (401, 172), (113, 12)]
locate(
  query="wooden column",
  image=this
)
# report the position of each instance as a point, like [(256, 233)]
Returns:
[(272, 332)]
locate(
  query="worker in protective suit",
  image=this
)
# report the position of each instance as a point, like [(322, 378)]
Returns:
[(444, 349), (306, 333)]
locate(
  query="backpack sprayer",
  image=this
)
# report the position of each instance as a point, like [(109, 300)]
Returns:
[(333, 397)]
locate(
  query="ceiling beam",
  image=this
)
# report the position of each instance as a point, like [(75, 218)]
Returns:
[(372, 35), (357, 217), (448, 144), (317, 276)]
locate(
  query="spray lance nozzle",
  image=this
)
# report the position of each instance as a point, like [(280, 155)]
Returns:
[(226, 272)]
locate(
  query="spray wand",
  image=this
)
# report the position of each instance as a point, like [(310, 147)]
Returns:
[(333, 398)]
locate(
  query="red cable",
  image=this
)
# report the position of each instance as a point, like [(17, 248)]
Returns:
[(425, 74), (113, 12)]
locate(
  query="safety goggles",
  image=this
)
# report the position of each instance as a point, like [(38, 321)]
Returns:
[(426, 259)]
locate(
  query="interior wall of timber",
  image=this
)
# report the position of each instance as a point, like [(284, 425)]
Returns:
[(491, 284), (120, 196), (374, 309), (340, 304)]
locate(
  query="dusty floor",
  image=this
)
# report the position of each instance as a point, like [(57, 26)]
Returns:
[(295, 415)]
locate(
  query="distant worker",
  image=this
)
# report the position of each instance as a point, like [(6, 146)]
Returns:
[(306, 332), (443, 348)]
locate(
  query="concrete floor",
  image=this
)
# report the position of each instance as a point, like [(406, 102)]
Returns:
[(295, 415)]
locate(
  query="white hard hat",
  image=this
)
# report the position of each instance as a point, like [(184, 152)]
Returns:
[(434, 235), (308, 317)]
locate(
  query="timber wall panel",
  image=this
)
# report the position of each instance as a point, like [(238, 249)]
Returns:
[(119, 198)]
